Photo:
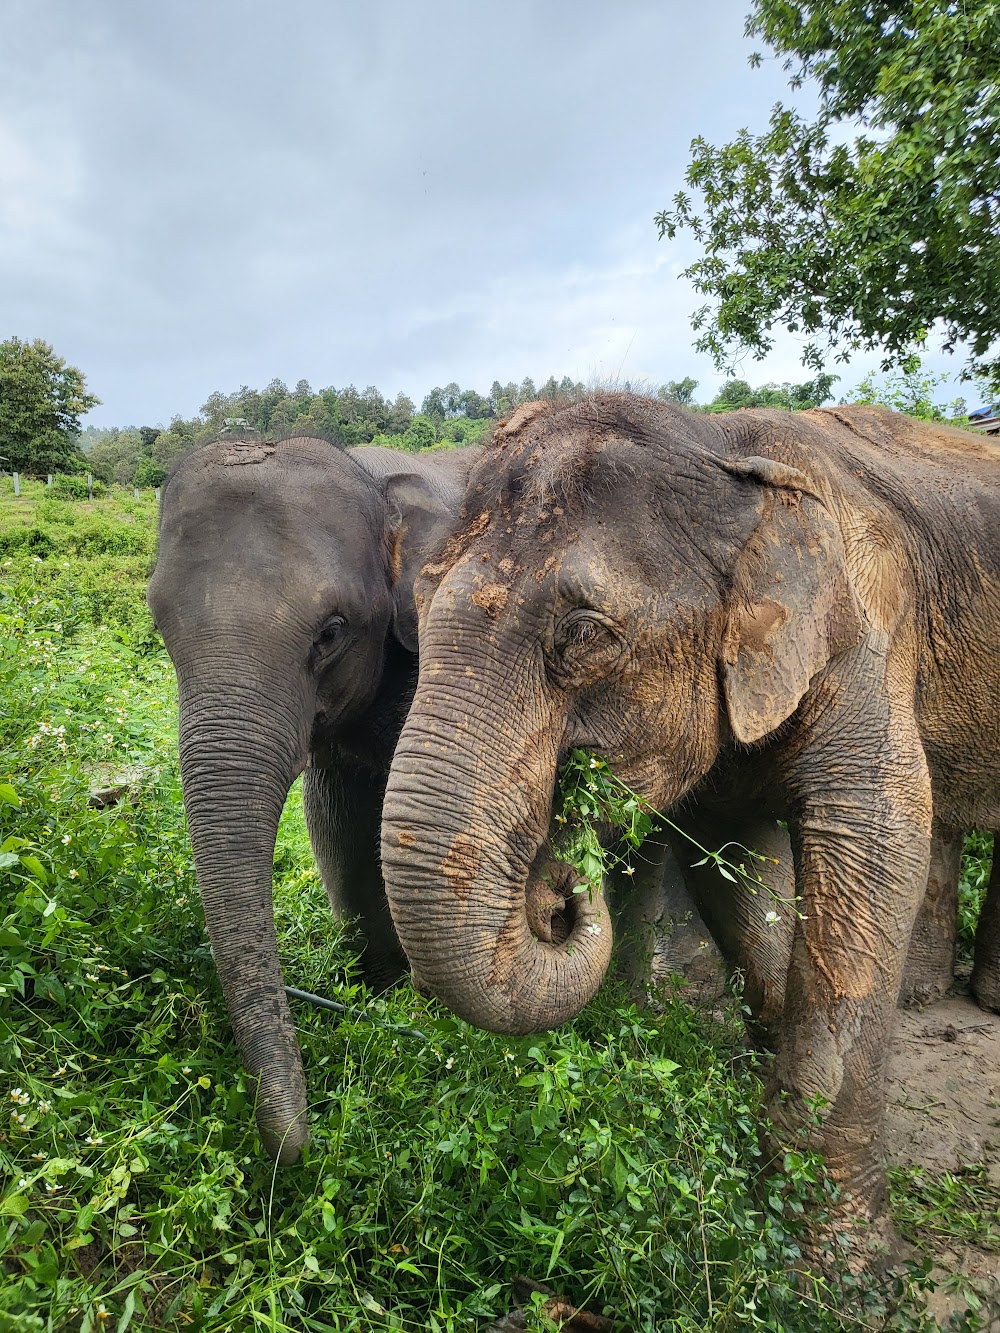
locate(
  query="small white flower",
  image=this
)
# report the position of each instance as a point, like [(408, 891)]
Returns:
[(52, 1189), (45, 1107), (186, 1069), (66, 839), (22, 1182), (629, 870), (772, 918), (594, 763), (94, 1142), (39, 1156), (593, 929), (73, 874), (91, 976), (448, 1064)]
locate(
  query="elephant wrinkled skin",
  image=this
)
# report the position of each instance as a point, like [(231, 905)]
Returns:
[(283, 591), (775, 616)]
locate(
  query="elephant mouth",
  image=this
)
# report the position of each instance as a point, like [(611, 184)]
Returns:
[(554, 901)]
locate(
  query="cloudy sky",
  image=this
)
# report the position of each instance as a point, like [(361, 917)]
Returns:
[(200, 194)]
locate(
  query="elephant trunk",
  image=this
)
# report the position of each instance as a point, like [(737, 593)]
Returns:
[(488, 919), (236, 774)]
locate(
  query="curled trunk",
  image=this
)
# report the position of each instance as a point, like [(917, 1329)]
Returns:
[(489, 921)]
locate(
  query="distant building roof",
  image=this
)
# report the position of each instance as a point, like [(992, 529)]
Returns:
[(986, 419)]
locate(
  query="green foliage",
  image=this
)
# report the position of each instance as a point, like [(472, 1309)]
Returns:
[(41, 403), (788, 397), (912, 390), (963, 1205), (592, 805), (72, 487), (617, 1160), (870, 243), (977, 861), (679, 391)]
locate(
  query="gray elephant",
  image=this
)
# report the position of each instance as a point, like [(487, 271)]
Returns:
[(774, 616), (283, 591)]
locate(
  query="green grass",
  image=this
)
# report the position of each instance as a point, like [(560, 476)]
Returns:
[(616, 1160), (962, 1205)]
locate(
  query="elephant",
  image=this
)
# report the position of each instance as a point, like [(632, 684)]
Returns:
[(283, 589), (660, 929), (751, 616)]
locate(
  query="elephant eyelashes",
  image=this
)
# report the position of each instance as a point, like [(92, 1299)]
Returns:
[(332, 636), (585, 643)]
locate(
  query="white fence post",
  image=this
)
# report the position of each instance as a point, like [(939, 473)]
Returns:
[(157, 495), (49, 480), (90, 486), (17, 483), (135, 492)]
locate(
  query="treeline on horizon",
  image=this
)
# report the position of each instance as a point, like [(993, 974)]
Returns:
[(449, 417)]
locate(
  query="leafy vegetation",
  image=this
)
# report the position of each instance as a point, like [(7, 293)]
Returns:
[(448, 417), (41, 402), (616, 1160), (865, 244)]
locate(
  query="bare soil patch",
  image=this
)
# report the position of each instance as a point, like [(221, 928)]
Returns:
[(944, 1115)]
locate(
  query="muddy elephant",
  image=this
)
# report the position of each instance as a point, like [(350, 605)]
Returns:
[(283, 589), (775, 616), (661, 910)]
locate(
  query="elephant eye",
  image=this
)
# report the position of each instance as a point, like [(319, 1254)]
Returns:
[(585, 642), (332, 633)]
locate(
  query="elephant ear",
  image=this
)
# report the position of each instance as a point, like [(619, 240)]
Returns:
[(418, 522), (793, 606)]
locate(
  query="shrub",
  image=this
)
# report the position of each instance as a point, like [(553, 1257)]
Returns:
[(69, 487)]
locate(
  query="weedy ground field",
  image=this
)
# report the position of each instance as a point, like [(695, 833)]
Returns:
[(615, 1160)]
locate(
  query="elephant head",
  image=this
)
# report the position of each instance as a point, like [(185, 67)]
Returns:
[(279, 575), (630, 578)]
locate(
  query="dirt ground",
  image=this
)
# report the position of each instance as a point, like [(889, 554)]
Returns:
[(944, 1113)]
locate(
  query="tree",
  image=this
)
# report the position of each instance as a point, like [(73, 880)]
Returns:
[(400, 415), (912, 390), (865, 244), (735, 394), (41, 403), (679, 391), (114, 455), (421, 434)]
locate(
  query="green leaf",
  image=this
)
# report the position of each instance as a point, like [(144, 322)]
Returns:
[(8, 795), (34, 867)]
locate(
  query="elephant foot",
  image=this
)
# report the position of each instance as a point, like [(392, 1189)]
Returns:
[(844, 1248), (927, 984), (930, 960), (381, 970), (985, 986)]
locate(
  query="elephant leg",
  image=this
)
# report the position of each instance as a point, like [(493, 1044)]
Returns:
[(343, 809), (986, 966), (752, 924), (658, 929), (930, 962)]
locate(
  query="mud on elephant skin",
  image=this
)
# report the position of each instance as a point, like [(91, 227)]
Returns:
[(662, 909), (283, 591), (803, 606)]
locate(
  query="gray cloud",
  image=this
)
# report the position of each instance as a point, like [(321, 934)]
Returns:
[(213, 192)]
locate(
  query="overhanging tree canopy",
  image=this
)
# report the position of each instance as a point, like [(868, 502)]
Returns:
[(866, 244)]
